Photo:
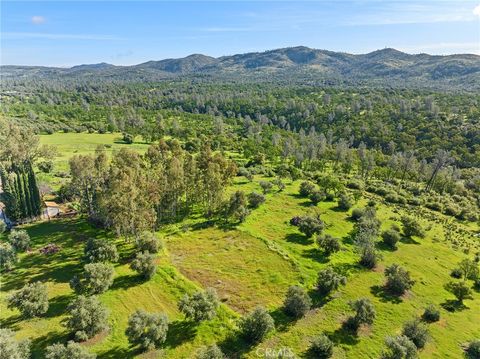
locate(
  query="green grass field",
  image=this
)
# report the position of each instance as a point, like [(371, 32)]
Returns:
[(249, 265)]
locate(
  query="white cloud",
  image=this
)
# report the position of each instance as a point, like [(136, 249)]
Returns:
[(443, 48), (37, 20), (476, 11), (48, 36)]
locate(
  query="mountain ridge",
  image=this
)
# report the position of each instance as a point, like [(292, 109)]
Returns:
[(280, 64)]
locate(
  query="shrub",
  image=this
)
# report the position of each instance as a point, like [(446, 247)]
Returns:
[(128, 138), (368, 254), (321, 347), (310, 225), (144, 264), (266, 186), (148, 330), (469, 269), (329, 196), (399, 347), (391, 237), (3, 226), (460, 290), (473, 349), (279, 183), (364, 313), (8, 256), (412, 228), (99, 250), (431, 314), (87, 317), (416, 332), (256, 325), (96, 279), (236, 207), (328, 244), (10, 348), (148, 242), (297, 302), (255, 199), (19, 239), (451, 210), (344, 202), (71, 350), (31, 300), (200, 305), (357, 213), (316, 197), (328, 280), (294, 221), (398, 279), (210, 352), (306, 188), (456, 273), (355, 184)]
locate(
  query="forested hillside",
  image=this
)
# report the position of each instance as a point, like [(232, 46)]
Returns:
[(291, 203)]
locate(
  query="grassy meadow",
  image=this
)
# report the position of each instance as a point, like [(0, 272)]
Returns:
[(249, 265)]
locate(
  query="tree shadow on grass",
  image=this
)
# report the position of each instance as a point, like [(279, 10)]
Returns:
[(180, 331), (408, 240), (11, 322), (315, 254), (384, 247), (126, 281), (307, 204), (344, 335), (318, 299), (380, 291), (452, 305), (282, 320), (58, 305), (119, 352), (298, 238), (234, 346)]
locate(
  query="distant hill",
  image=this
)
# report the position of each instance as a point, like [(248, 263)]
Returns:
[(297, 64)]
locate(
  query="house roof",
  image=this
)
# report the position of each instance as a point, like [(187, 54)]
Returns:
[(51, 204)]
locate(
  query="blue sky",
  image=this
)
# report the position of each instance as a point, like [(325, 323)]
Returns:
[(66, 33)]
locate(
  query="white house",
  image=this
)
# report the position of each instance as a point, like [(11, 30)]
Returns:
[(51, 209)]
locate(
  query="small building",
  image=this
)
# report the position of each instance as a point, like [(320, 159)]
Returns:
[(52, 209)]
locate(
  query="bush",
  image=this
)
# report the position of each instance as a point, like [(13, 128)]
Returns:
[(99, 250), (398, 279), (473, 349), (321, 347), (416, 332), (328, 280), (148, 242), (306, 188), (279, 183), (364, 313), (10, 348), (368, 255), (297, 302), (316, 197), (8, 256), (50, 248), (469, 269), (357, 213), (344, 202), (148, 330), (412, 228), (128, 138), (70, 351), (310, 225), (266, 186), (391, 237), (200, 305), (255, 199), (144, 264), (355, 184), (31, 300), (328, 244), (87, 317), (294, 221), (460, 290), (456, 273), (399, 347), (236, 207), (256, 325), (431, 314), (3, 227), (96, 279), (19, 239), (210, 352)]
